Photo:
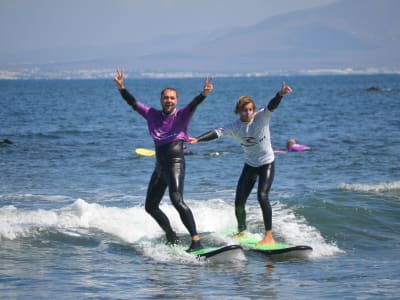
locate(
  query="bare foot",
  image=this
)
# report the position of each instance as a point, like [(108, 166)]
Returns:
[(240, 235), (268, 239), (266, 242)]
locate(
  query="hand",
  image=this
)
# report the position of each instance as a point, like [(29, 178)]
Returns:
[(285, 89), (208, 87), (119, 79), (193, 140)]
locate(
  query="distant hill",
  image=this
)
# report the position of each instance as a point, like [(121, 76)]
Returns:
[(341, 35)]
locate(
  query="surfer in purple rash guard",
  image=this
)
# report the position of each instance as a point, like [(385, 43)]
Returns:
[(292, 146), (252, 132), (169, 129)]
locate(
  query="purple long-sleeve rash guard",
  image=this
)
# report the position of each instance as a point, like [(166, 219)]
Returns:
[(164, 128)]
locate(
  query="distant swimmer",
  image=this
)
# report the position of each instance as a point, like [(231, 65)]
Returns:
[(374, 89), (5, 142), (292, 146)]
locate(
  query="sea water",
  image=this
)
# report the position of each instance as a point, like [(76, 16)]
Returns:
[(72, 191)]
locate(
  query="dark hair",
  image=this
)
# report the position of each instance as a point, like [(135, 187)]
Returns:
[(243, 101), (169, 88)]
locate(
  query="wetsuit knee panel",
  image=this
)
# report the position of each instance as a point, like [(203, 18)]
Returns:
[(263, 196), (176, 198), (149, 207)]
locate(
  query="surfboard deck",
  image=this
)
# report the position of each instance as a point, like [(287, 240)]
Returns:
[(250, 243), (145, 152), (209, 252)]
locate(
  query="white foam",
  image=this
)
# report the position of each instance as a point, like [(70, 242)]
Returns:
[(130, 224), (134, 225), (295, 230), (50, 198), (368, 188)]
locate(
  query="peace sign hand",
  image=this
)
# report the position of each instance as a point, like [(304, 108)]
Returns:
[(119, 79), (208, 86), (285, 89)]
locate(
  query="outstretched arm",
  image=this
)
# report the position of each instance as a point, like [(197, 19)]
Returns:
[(274, 103), (119, 80), (207, 136)]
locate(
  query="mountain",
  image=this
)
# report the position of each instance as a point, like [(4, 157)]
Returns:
[(357, 34), (342, 35)]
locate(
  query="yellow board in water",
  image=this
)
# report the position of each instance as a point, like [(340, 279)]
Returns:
[(145, 152)]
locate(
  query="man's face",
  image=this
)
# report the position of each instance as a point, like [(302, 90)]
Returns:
[(169, 100)]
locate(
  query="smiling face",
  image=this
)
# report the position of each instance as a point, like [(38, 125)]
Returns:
[(169, 100)]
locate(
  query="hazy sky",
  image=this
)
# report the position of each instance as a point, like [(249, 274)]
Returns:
[(37, 24)]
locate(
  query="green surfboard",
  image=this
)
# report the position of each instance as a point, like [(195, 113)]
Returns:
[(250, 243)]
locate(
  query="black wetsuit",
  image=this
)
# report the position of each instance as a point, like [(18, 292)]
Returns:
[(262, 164), (169, 172), (170, 165), (248, 178)]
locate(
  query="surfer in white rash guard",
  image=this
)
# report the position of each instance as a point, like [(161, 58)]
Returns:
[(252, 132), (168, 128)]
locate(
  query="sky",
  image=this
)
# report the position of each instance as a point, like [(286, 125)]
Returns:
[(31, 25)]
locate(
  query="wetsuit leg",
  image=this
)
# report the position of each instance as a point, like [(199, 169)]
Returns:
[(245, 185), (266, 177), (175, 173), (155, 192)]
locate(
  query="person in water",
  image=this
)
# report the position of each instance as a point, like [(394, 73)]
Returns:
[(252, 132), (292, 146), (168, 128), (5, 142)]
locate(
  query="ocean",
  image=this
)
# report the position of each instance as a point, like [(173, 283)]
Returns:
[(72, 190)]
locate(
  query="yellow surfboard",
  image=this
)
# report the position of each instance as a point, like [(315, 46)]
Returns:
[(145, 152)]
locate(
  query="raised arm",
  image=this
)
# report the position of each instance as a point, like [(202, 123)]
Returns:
[(207, 89), (274, 103), (119, 80)]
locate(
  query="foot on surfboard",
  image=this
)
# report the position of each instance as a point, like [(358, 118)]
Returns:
[(240, 235), (172, 239), (196, 245), (267, 240)]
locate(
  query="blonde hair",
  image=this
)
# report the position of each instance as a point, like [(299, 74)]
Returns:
[(242, 102)]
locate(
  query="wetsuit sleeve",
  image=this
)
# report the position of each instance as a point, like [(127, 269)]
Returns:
[(196, 101), (130, 99), (210, 135), (274, 102)]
